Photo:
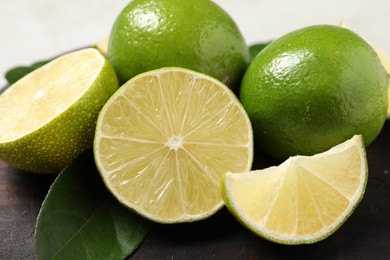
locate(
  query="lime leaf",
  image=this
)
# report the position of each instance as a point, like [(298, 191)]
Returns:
[(256, 48), (19, 72), (79, 218)]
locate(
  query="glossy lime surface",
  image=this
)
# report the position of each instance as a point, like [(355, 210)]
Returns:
[(314, 88), (194, 34)]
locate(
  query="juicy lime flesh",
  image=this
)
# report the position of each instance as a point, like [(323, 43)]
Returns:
[(164, 140), (205, 39), (312, 89), (303, 200), (44, 94)]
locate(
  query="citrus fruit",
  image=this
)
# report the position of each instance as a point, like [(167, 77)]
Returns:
[(385, 59), (165, 138), (303, 200), (194, 34), (312, 89), (48, 117)]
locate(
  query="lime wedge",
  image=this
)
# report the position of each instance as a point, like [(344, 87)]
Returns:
[(303, 200)]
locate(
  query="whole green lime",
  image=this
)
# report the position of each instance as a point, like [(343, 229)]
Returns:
[(314, 88), (193, 34)]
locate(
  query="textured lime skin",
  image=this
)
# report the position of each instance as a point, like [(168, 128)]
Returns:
[(193, 34), (312, 89), (52, 147)]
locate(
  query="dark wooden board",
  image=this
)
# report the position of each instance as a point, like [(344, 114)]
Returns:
[(365, 235)]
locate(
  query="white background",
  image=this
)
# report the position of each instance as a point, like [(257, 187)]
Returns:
[(32, 30)]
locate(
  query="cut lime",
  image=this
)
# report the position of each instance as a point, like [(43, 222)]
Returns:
[(303, 200), (164, 140), (48, 117)]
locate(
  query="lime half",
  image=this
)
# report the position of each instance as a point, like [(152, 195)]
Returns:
[(164, 140), (48, 117)]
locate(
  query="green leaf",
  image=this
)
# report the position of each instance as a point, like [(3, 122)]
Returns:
[(17, 73), (256, 48), (80, 219)]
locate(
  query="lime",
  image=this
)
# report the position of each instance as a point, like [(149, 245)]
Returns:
[(303, 200), (48, 117), (312, 89), (194, 34), (164, 140)]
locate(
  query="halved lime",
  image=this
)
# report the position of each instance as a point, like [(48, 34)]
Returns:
[(48, 117), (164, 140)]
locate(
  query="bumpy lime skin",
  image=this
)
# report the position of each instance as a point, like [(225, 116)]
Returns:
[(312, 89), (193, 34), (52, 147)]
